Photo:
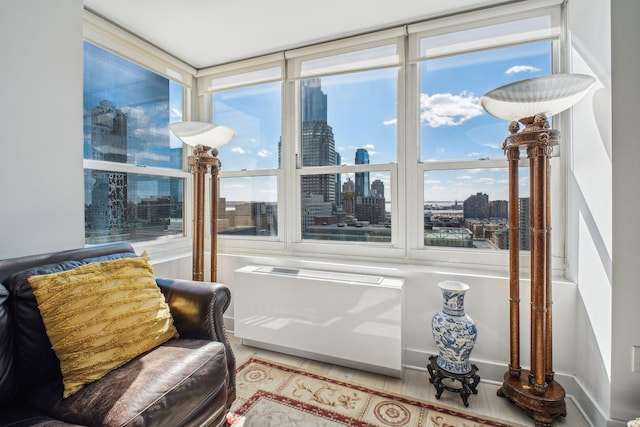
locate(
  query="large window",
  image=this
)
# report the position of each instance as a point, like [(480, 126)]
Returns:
[(374, 146), (466, 203), (348, 119), (134, 183), (250, 102)]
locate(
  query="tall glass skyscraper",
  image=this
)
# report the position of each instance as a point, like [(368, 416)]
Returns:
[(318, 149), (318, 145), (314, 101)]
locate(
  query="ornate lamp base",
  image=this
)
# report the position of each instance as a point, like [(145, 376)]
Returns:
[(468, 381), (544, 408)]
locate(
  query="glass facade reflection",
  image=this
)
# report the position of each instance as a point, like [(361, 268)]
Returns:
[(127, 111)]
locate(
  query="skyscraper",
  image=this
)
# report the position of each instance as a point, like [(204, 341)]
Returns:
[(109, 193), (318, 147), (314, 101)]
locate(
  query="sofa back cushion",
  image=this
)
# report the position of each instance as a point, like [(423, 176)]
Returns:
[(35, 362), (7, 375)]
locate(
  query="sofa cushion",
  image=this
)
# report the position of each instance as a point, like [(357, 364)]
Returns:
[(22, 416), (7, 373), (100, 315), (159, 388), (34, 359)]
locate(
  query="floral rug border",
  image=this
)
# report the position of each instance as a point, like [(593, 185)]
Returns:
[(339, 417)]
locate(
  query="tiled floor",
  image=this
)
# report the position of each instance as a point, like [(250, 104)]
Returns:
[(415, 383)]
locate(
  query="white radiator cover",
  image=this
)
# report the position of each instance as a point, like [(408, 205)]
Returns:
[(347, 319)]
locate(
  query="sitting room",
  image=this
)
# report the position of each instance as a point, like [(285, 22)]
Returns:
[(297, 190)]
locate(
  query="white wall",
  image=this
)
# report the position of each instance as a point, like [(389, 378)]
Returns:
[(589, 204), (41, 121), (603, 200), (625, 66)]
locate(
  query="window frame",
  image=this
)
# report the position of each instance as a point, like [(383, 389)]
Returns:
[(396, 248), (478, 258), (206, 88), (407, 173), (111, 38)]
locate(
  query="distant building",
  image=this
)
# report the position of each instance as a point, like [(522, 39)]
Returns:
[(358, 231), (450, 237), (524, 214), (362, 178), (476, 206), (313, 205), (109, 193), (377, 189), (499, 209), (372, 210), (251, 218)]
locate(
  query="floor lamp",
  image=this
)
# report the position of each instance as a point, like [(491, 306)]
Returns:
[(530, 102), (203, 137)]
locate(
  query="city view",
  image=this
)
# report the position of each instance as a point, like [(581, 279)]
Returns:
[(356, 207), (346, 119)]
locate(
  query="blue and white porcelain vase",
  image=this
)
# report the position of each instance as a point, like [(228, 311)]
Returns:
[(453, 330)]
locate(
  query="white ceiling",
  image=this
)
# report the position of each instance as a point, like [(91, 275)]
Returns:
[(210, 32)]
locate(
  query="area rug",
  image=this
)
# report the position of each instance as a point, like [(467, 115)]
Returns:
[(274, 395)]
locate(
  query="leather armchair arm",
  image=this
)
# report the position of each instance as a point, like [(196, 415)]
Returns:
[(197, 309)]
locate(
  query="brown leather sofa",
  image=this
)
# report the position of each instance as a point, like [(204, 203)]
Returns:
[(187, 381)]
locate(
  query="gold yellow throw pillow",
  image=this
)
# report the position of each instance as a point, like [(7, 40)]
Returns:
[(101, 315)]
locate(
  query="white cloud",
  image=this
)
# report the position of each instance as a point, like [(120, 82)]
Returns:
[(263, 153), (238, 150), (522, 69), (390, 122), (485, 180), (369, 147), (446, 109)]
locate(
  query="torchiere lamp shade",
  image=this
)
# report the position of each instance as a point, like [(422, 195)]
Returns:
[(202, 133), (546, 95)]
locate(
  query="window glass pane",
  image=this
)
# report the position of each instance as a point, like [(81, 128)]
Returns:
[(453, 126), (127, 111), (358, 210), (469, 208), (254, 112), (344, 114), (133, 207), (248, 206)]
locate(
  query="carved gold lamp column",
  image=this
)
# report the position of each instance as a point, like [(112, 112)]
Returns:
[(530, 102), (204, 137)]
